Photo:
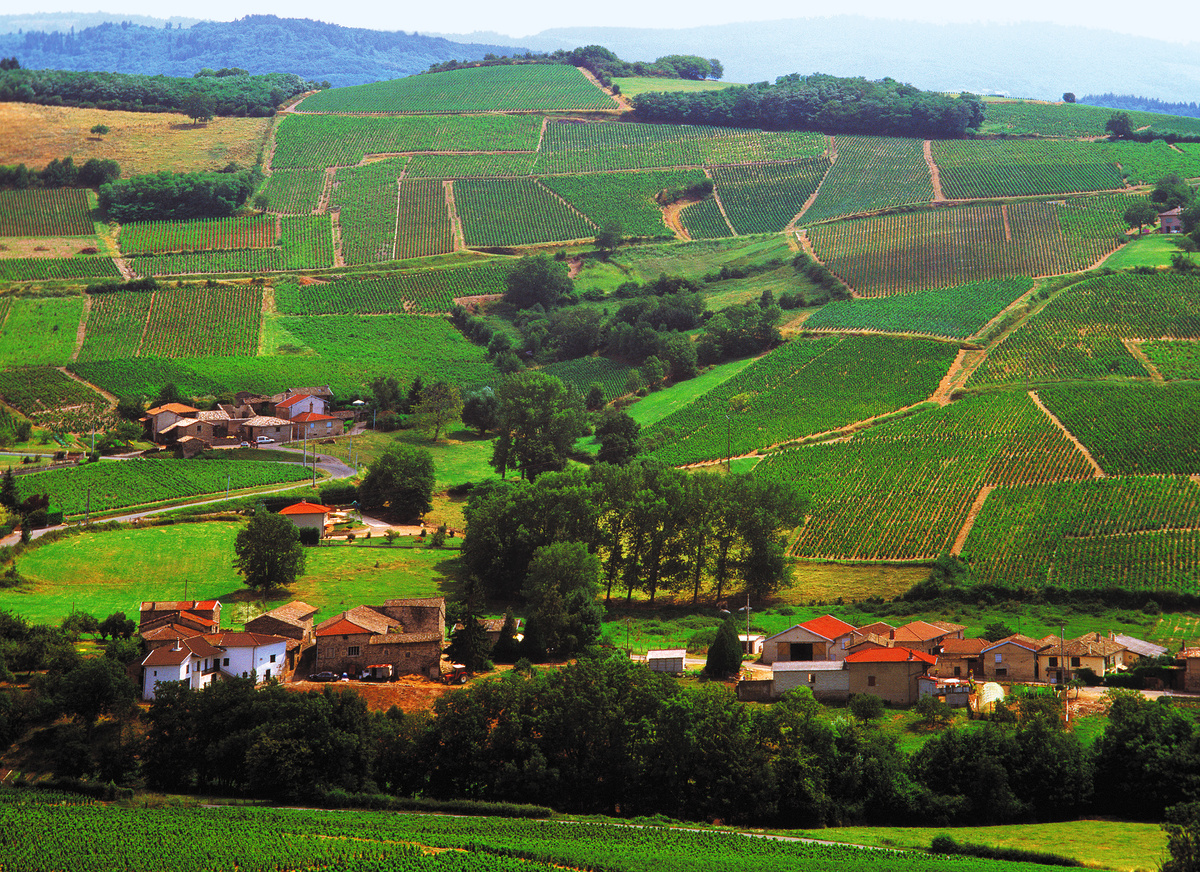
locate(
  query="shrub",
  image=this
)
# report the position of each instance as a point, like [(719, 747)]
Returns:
[(866, 706)]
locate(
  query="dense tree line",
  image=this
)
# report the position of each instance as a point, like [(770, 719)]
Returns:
[(653, 528), (1134, 103), (61, 173), (820, 102), (166, 196), (229, 95), (602, 63)]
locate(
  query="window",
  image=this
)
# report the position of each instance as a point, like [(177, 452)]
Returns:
[(870, 681), (1001, 673), (1053, 662), (999, 658), (226, 661), (187, 669), (352, 651), (812, 678), (1074, 661), (957, 671), (272, 658)]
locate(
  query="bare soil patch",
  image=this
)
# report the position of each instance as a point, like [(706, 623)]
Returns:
[(410, 693), (50, 247), (934, 175)]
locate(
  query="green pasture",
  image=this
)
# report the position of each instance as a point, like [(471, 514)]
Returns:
[(1153, 249), (656, 406), (40, 330), (631, 86), (1119, 845), (696, 259), (458, 456), (113, 570)]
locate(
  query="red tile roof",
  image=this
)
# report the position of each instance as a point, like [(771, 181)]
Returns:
[(341, 627), (177, 408), (828, 626), (919, 631), (306, 508), (242, 640), (309, 417), (291, 401), (964, 646), (890, 655), (168, 655)]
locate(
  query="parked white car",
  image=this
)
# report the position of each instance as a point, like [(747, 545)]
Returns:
[(262, 439)]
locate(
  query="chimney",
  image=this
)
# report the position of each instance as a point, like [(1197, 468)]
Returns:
[(910, 657)]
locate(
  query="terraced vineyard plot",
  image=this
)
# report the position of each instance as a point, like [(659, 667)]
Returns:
[(1078, 334), (1174, 360), (903, 490), (1005, 168), (33, 269), (501, 212), (956, 312), (320, 141), (162, 237), (40, 331), (892, 254), (43, 393), (466, 166), (295, 192), (46, 212), (806, 386), (366, 196), (626, 198), (1020, 118), (199, 321), (704, 220), (1147, 162), (595, 147), (424, 220), (585, 371), (419, 291), (115, 325), (138, 482), (766, 197), (872, 172), (1135, 533), (534, 87), (1135, 429), (306, 242)]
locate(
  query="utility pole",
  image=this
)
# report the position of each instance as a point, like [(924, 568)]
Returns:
[(87, 509), (728, 444)]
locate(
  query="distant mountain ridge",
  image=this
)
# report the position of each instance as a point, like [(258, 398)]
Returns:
[(257, 43), (1041, 61)]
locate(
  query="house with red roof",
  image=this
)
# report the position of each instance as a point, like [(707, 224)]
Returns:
[(314, 425), (823, 638), (206, 612), (889, 673), (195, 662), (406, 633), (961, 658), (1013, 658), (307, 516), (251, 655), (296, 404)]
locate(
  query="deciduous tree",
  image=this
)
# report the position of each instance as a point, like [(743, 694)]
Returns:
[(268, 553), (537, 423), (440, 404), (400, 479)]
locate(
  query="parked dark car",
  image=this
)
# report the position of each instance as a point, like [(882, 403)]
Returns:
[(324, 676)]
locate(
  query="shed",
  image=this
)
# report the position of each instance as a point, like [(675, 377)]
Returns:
[(955, 692), (666, 660), (752, 645), (307, 516), (827, 679)]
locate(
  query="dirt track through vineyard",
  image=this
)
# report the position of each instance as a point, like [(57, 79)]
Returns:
[(976, 508), (934, 175), (1099, 473)]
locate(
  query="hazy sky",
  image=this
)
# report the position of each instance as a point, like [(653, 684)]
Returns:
[(1177, 22)]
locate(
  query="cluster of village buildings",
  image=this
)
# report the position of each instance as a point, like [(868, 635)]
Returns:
[(901, 664), (297, 413), (187, 644)]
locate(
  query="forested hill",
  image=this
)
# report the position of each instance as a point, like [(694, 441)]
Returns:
[(257, 43)]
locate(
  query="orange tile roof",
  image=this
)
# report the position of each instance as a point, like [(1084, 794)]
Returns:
[(341, 627), (305, 508), (291, 401), (177, 408), (309, 417), (918, 631), (890, 655), (828, 626), (242, 640), (964, 646)]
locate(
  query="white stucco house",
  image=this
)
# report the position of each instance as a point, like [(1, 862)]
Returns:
[(247, 655), (199, 660)]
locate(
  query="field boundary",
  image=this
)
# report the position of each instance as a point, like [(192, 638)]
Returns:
[(81, 330), (720, 205), (972, 514), (1134, 347), (1099, 473), (935, 176)]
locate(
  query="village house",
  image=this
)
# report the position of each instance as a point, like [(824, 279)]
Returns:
[(960, 658), (1060, 658), (195, 662), (1171, 221), (251, 655), (829, 680), (160, 421), (1013, 658), (889, 673), (150, 614), (293, 622), (307, 516), (311, 425), (1190, 660), (265, 426), (926, 636), (823, 638), (405, 633), (297, 404)]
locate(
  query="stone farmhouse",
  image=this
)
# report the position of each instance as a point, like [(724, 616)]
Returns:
[(293, 622), (407, 634)]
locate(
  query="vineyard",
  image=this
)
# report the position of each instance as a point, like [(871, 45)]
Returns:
[(704, 220), (423, 222), (764, 198), (1133, 429), (1134, 533), (165, 237), (1147, 162), (34, 269), (49, 831), (872, 173), (1174, 360), (417, 291), (39, 331), (596, 147), (586, 371), (911, 251), (504, 212), (50, 398), (295, 192), (807, 386), (1005, 168), (466, 166), (626, 198), (39, 212), (139, 482), (306, 242), (903, 490), (955, 313), (366, 197), (320, 141), (1078, 335), (529, 87), (1024, 118)]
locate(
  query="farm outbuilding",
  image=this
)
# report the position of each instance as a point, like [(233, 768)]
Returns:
[(829, 680), (955, 692), (889, 673), (667, 660), (1171, 221), (823, 638), (752, 645), (307, 516)]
